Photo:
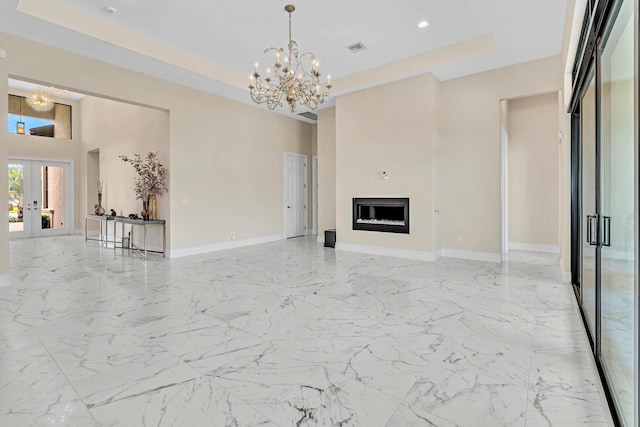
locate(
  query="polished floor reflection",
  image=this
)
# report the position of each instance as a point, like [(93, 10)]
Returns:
[(618, 329), (289, 334)]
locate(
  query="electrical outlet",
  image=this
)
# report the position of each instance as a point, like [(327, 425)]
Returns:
[(459, 238)]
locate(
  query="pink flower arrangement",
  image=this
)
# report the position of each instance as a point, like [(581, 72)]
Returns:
[(152, 175)]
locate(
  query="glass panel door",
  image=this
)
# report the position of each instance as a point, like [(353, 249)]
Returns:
[(617, 198), (49, 200), (20, 213), (39, 198), (589, 219)]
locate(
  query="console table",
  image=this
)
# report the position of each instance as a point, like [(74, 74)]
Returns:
[(103, 219), (140, 223)]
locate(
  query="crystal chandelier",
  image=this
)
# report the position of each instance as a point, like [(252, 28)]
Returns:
[(42, 99), (291, 81)]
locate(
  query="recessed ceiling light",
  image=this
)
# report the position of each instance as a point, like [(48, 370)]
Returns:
[(423, 24), (110, 10)]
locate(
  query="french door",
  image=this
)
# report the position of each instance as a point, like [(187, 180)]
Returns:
[(39, 198), (608, 200)]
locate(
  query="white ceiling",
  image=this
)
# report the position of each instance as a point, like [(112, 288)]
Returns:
[(212, 45)]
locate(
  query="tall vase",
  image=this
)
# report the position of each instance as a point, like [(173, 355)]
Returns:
[(145, 208), (99, 209), (153, 207)]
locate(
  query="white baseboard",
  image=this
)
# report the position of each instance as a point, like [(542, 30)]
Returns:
[(566, 277), (534, 247), (320, 238), (214, 247), (472, 255), (377, 250)]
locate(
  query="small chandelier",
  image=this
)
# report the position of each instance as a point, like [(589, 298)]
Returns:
[(42, 99), (291, 81)]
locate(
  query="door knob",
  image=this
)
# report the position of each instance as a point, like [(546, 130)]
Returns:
[(288, 207)]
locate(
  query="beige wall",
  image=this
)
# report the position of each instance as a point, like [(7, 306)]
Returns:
[(116, 128), (314, 139), (533, 163), (386, 128), (326, 171), (110, 129), (213, 142), (229, 176), (439, 142), (470, 196)]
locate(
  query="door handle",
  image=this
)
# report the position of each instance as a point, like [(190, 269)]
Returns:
[(592, 227), (606, 231), (288, 207)]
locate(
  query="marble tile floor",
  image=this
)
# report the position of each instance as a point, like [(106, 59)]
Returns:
[(289, 334)]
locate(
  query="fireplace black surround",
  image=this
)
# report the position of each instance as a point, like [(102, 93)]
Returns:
[(389, 215)]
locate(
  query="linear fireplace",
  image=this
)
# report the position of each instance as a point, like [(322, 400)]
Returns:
[(390, 215)]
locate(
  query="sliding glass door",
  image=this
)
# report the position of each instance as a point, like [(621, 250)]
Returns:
[(607, 196), (617, 209)]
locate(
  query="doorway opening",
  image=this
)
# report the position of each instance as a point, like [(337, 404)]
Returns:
[(530, 174)]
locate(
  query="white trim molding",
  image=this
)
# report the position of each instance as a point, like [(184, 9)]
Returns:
[(377, 250), (320, 238), (534, 247), (472, 255), (214, 247), (566, 277)]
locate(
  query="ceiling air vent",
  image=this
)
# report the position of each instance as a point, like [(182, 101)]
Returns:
[(309, 115), (356, 47)]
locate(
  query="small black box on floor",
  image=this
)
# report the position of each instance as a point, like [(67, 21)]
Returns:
[(329, 238)]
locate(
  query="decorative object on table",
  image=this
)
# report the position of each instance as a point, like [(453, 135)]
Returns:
[(153, 207), (99, 209), (134, 216), (292, 82), (112, 212), (151, 181)]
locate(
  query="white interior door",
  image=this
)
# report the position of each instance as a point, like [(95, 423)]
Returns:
[(295, 195), (314, 196), (40, 199)]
